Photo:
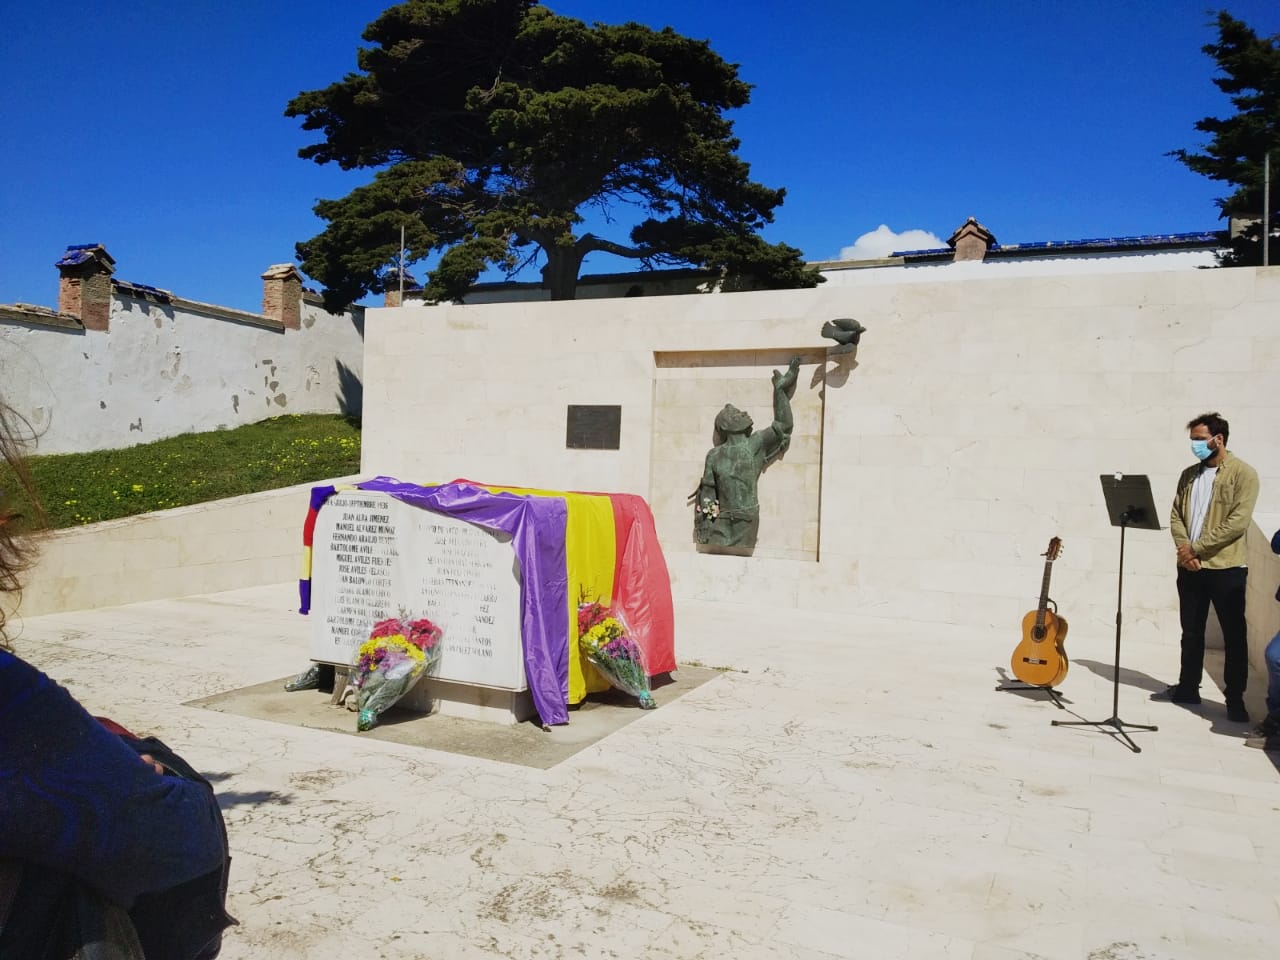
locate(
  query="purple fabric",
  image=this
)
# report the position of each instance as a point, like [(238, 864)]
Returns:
[(537, 529), (320, 494)]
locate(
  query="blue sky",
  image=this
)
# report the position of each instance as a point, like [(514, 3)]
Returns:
[(157, 128)]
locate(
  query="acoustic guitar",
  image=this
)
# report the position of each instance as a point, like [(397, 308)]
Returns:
[(1040, 659)]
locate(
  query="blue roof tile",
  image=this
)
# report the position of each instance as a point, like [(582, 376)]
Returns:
[(72, 258), (143, 291), (78, 253)]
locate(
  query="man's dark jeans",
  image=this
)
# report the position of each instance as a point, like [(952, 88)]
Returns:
[(1225, 590)]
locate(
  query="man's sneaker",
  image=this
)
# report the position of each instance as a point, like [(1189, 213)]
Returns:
[(1236, 711), (1269, 727), (1177, 694), (1271, 743)]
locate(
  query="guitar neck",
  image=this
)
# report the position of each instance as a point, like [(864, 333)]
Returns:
[(1044, 594)]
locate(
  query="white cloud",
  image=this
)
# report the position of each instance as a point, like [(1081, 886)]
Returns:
[(882, 241)]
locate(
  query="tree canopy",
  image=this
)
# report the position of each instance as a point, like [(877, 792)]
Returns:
[(494, 125), (1235, 154)]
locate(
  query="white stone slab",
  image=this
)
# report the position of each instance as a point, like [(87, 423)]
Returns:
[(374, 556)]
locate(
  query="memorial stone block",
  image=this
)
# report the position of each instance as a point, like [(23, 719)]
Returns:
[(374, 556)]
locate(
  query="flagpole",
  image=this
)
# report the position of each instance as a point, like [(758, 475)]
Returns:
[(1266, 208), (401, 265)]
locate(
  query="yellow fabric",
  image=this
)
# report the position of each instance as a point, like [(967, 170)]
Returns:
[(590, 551)]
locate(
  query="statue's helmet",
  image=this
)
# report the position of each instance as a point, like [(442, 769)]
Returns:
[(732, 420)]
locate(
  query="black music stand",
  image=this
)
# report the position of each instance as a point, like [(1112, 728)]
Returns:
[(1129, 504)]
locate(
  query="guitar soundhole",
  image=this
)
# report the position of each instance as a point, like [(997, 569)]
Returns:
[(1037, 633)]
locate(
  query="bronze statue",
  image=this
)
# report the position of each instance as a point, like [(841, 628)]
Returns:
[(845, 331), (726, 504)]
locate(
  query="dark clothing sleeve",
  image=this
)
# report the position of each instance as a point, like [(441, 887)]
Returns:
[(76, 798), (1275, 548)]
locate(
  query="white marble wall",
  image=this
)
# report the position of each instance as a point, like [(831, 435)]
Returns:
[(205, 548), (971, 427), (1261, 607)]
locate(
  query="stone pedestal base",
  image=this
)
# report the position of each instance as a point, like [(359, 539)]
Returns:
[(471, 702), (451, 699)]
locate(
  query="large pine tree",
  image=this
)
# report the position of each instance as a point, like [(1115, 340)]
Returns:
[(1251, 77), (494, 124)]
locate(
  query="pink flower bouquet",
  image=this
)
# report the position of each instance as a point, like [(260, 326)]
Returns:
[(387, 665), (606, 643)]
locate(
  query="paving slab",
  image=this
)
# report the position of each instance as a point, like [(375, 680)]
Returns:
[(527, 744), (840, 787)]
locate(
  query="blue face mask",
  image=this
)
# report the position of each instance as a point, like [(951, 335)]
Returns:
[(1201, 449)]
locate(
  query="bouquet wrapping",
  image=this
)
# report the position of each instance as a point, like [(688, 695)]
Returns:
[(607, 644), (387, 665), (308, 679)]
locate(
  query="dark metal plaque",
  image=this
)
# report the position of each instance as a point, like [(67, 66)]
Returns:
[(594, 427)]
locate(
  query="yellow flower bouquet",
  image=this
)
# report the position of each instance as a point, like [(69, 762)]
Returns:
[(397, 654), (607, 644)]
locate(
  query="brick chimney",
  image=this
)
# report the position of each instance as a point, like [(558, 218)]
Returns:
[(971, 241), (84, 285), (282, 295), (391, 289)]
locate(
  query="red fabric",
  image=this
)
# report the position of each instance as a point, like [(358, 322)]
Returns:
[(112, 727), (641, 582), (309, 528)]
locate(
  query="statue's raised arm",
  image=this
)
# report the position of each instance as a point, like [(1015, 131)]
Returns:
[(785, 381), (774, 441)]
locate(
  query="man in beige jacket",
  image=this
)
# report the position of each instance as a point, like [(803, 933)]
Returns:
[(1212, 510)]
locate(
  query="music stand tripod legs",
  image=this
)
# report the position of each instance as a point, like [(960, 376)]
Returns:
[(1127, 507)]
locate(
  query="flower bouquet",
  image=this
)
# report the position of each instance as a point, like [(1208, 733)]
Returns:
[(607, 645), (708, 507), (387, 665), (706, 510)]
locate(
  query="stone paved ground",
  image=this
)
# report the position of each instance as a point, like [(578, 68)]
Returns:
[(852, 788)]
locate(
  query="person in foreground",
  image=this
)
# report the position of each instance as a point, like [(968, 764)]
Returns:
[(111, 846), (1212, 510), (1267, 734)]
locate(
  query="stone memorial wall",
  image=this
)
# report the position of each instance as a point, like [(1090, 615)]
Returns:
[(374, 556), (969, 427)]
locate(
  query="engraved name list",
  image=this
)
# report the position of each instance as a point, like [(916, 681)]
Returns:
[(374, 556)]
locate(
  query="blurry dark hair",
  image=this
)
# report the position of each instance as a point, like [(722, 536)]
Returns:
[(17, 548), (1215, 423)]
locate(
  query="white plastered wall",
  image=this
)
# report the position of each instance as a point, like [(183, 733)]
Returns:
[(851, 274), (166, 369), (971, 426)]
